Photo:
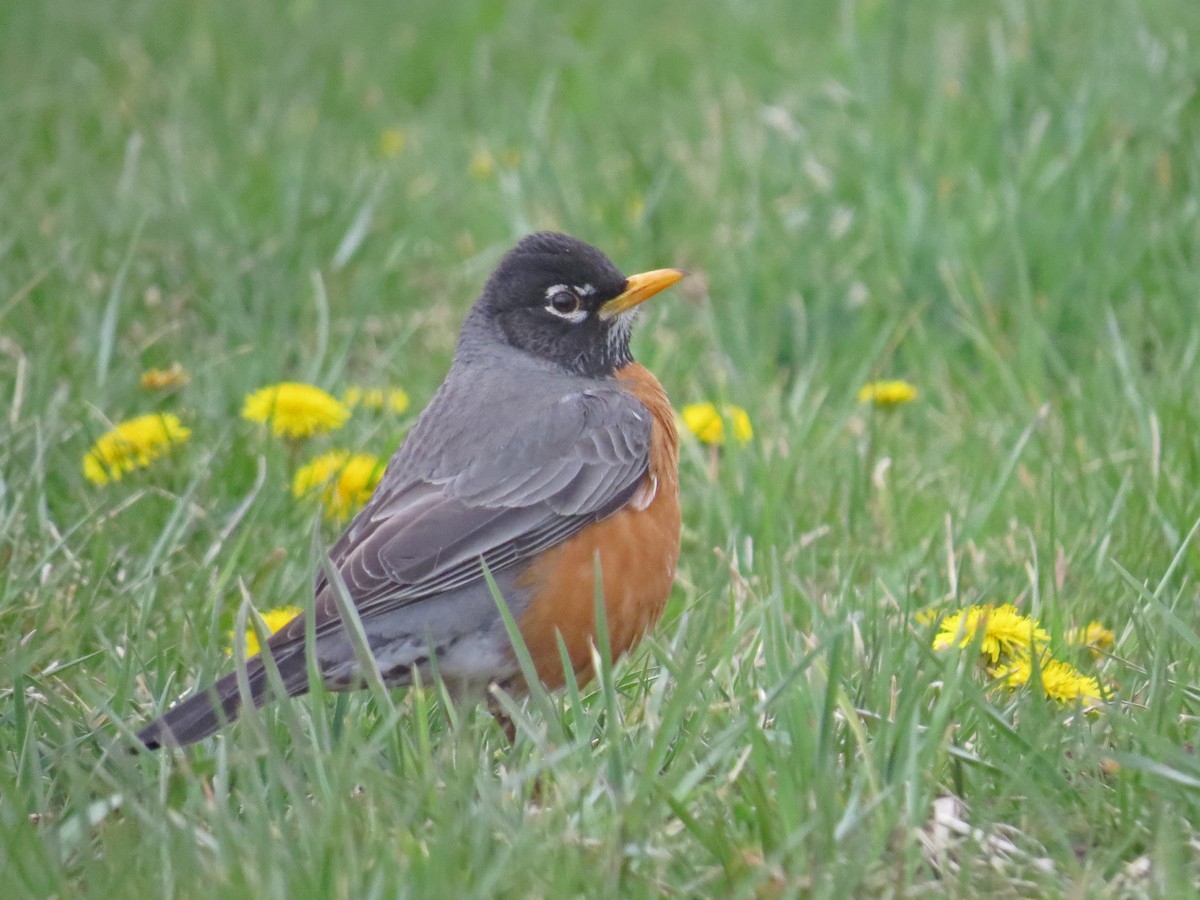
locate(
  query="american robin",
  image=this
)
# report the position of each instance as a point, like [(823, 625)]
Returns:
[(546, 448)]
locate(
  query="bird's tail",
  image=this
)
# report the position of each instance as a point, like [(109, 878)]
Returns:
[(205, 712)]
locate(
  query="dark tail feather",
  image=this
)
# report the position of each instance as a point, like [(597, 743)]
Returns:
[(207, 711)]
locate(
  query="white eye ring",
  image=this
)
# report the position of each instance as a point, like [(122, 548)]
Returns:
[(565, 303)]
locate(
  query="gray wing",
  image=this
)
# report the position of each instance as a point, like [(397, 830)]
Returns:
[(524, 488)]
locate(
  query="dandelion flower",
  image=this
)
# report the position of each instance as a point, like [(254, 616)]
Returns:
[(275, 619), (295, 410), (707, 422), (391, 142), (395, 399), (133, 444), (1093, 635), (482, 165), (161, 379), (344, 482), (1004, 630), (926, 616), (1061, 681), (887, 393)]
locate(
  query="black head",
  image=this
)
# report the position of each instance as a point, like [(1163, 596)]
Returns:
[(564, 302)]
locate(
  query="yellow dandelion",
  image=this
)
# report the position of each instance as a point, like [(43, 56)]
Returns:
[(707, 422), (1093, 635), (1061, 681), (275, 619), (926, 616), (887, 393), (395, 399), (1004, 630), (161, 379), (391, 142), (295, 410), (342, 481), (482, 166), (1016, 672), (133, 444)]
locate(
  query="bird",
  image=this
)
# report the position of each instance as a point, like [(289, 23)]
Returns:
[(548, 457)]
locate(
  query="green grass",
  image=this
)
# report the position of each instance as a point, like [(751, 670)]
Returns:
[(997, 201)]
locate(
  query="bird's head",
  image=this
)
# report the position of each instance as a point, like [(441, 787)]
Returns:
[(564, 302)]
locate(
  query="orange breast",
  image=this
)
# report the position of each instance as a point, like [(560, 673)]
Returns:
[(638, 547)]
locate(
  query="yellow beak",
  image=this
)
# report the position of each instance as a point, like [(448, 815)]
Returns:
[(639, 288)]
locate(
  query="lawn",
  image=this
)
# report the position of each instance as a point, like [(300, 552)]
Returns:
[(997, 202)]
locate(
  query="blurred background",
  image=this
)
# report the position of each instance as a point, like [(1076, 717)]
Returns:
[(828, 169)]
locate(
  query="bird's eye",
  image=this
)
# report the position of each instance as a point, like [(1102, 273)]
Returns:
[(564, 303)]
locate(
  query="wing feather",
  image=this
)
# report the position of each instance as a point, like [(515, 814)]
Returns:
[(421, 537)]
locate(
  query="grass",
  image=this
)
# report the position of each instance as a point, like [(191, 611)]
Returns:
[(995, 201)]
